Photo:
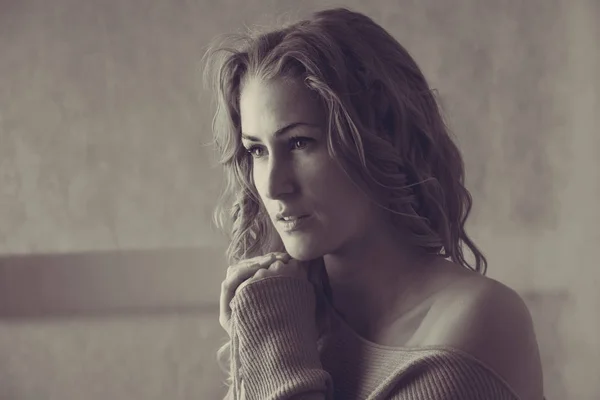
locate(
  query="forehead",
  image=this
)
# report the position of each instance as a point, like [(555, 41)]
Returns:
[(265, 106)]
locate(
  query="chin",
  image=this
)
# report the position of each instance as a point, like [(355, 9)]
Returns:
[(302, 250)]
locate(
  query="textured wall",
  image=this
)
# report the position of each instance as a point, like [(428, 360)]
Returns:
[(102, 122)]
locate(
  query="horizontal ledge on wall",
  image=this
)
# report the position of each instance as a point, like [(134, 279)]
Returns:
[(180, 280)]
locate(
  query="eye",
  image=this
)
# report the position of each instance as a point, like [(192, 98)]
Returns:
[(299, 142), (252, 150), (295, 143)]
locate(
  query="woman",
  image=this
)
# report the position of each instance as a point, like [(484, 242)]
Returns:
[(348, 278)]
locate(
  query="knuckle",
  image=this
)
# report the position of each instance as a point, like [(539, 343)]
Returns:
[(227, 281), (263, 273), (230, 270), (277, 265)]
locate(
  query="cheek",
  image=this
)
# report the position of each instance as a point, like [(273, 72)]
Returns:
[(345, 201), (337, 187), (259, 178), (339, 198)]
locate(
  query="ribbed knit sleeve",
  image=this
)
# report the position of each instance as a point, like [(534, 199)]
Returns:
[(274, 341)]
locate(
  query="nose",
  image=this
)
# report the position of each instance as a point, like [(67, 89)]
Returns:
[(279, 179)]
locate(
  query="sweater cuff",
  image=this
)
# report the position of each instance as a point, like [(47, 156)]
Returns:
[(275, 320)]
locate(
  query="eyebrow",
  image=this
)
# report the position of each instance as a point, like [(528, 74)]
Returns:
[(280, 131)]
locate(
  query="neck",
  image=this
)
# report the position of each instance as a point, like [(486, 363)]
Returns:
[(370, 275)]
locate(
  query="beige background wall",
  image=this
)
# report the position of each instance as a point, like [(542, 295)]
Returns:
[(102, 122)]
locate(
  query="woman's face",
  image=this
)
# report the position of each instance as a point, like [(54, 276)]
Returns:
[(283, 127)]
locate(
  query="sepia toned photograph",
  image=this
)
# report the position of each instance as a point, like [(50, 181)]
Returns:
[(279, 200)]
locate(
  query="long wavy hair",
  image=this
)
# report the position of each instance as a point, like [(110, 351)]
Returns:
[(385, 130)]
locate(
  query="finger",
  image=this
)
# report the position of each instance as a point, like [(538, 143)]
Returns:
[(285, 257), (261, 273), (255, 262), (264, 259), (276, 266)]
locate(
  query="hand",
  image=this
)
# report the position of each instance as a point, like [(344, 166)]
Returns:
[(250, 270), (281, 266)]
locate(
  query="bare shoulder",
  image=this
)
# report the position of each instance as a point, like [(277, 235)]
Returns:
[(490, 321)]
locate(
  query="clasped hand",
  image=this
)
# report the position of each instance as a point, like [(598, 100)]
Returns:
[(253, 269)]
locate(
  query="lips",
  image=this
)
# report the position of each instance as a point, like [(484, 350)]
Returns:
[(292, 218), (300, 223), (289, 216)]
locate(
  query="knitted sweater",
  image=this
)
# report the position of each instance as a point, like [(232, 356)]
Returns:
[(276, 354)]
